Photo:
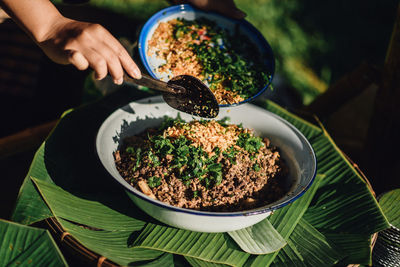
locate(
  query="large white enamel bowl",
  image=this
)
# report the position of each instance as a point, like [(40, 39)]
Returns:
[(137, 116)]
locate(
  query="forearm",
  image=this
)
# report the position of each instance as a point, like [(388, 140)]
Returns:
[(35, 17)]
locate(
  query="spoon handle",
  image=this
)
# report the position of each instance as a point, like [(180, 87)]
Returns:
[(152, 83)]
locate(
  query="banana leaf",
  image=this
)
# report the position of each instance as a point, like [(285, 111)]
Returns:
[(285, 221), (115, 240), (314, 250), (112, 244), (200, 263), (61, 160), (390, 203), (305, 247), (112, 230), (261, 238), (342, 203), (30, 208), (86, 212), (357, 252), (215, 248), (27, 246)]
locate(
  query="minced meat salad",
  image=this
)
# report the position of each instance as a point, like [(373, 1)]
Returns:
[(202, 165), (229, 63)]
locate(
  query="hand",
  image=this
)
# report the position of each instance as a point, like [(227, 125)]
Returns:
[(88, 45), (225, 7)]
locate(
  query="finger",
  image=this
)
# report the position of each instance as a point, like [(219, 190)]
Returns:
[(115, 69), (104, 53), (86, 56), (78, 60), (129, 65), (97, 63), (125, 59), (113, 63)]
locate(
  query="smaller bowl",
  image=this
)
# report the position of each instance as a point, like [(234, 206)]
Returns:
[(151, 62), (135, 117)]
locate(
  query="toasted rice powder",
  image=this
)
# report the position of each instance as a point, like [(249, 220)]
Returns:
[(208, 136), (181, 60)]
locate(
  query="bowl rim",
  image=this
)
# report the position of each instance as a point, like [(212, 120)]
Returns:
[(250, 29), (256, 211)]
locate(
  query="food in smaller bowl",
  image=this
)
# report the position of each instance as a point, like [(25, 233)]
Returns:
[(227, 61), (231, 56), (205, 165)]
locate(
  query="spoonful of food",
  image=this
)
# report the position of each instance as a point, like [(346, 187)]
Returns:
[(184, 92)]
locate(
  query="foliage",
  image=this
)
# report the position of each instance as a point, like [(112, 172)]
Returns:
[(27, 246), (390, 203), (80, 193)]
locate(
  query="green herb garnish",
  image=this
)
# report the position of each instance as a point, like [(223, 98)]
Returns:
[(230, 154), (137, 158), (224, 57), (154, 181), (130, 149), (249, 143), (153, 158)]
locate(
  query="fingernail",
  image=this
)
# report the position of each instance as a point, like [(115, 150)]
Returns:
[(137, 73), (119, 81)]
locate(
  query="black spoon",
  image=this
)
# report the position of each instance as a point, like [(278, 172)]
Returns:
[(184, 92)]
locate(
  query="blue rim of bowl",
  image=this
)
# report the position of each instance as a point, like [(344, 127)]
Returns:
[(250, 29), (256, 211)]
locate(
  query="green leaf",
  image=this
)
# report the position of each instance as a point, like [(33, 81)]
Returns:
[(356, 247), (308, 247), (285, 220), (261, 238), (30, 207), (200, 263), (343, 203), (390, 204), (113, 245), (165, 260), (86, 212), (67, 157), (216, 248), (27, 246)]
